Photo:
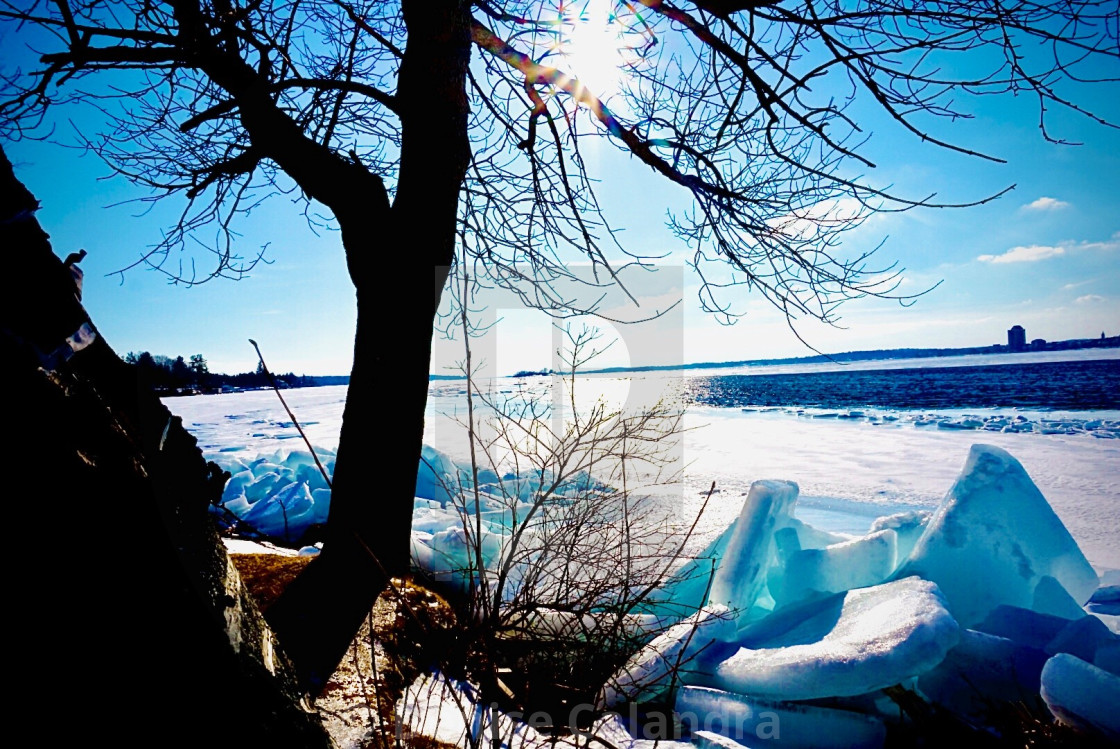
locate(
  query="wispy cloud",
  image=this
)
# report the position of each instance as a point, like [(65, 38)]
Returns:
[(1031, 254), (1112, 243), (1089, 299), (816, 220), (1035, 252), (1072, 286), (1046, 204)]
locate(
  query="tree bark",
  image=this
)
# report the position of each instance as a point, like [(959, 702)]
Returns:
[(370, 523)]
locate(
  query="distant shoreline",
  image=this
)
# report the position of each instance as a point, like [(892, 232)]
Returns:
[(879, 354)]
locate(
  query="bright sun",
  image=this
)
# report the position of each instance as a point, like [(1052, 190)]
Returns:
[(592, 46)]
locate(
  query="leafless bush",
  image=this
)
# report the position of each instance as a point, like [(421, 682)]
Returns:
[(563, 538)]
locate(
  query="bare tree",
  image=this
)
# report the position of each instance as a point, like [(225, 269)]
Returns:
[(449, 131)]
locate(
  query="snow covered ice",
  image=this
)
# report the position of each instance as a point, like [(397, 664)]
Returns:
[(855, 643), (993, 540), (1082, 695), (673, 653)]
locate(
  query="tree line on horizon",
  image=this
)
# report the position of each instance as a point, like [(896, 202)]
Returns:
[(179, 376)]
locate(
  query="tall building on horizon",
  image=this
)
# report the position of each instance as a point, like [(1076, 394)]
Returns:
[(1017, 338)]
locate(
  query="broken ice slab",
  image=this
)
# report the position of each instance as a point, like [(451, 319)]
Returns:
[(809, 537), (285, 514), (1051, 598), (1024, 626), (741, 575), (457, 549), (1082, 638), (437, 476), (1108, 658), (850, 644), (758, 722), (994, 538), (981, 671), (1083, 696), (668, 656), (858, 563), (687, 589), (908, 526), (1105, 600)]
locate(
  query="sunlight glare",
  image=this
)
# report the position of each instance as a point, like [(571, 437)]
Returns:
[(592, 46)]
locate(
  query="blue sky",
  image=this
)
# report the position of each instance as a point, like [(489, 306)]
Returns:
[(1046, 256)]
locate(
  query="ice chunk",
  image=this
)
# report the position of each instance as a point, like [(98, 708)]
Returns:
[(1082, 638), (1108, 658), (1024, 626), (297, 458), (285, 514), (993, 539), (757, 722), (1051, 598), (741, 575), (980, 670), (809, 537), (267, 483), (670, 654), (322, 500), (1082, 695), (908, 525), (421, 551), (684, 593), (853, 564), (237, 505), (312, 476), (865, 640), (454, 550), (235, 487), (1112, 622), (433, 520), (1105, 600), (437, 476)]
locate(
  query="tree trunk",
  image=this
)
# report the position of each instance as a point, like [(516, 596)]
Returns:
[(370, 523)]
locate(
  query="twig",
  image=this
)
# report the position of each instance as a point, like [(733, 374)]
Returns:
[(291, 415)]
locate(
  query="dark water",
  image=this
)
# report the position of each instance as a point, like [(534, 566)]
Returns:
[(1075, 385)]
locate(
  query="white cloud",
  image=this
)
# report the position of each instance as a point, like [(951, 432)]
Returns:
[(1089, 299), (1031, 254), (1071, 286), (1046, 204), (1112, 243), (1035, 252)]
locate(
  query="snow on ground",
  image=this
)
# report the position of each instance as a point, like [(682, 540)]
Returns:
[(849, 471)]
